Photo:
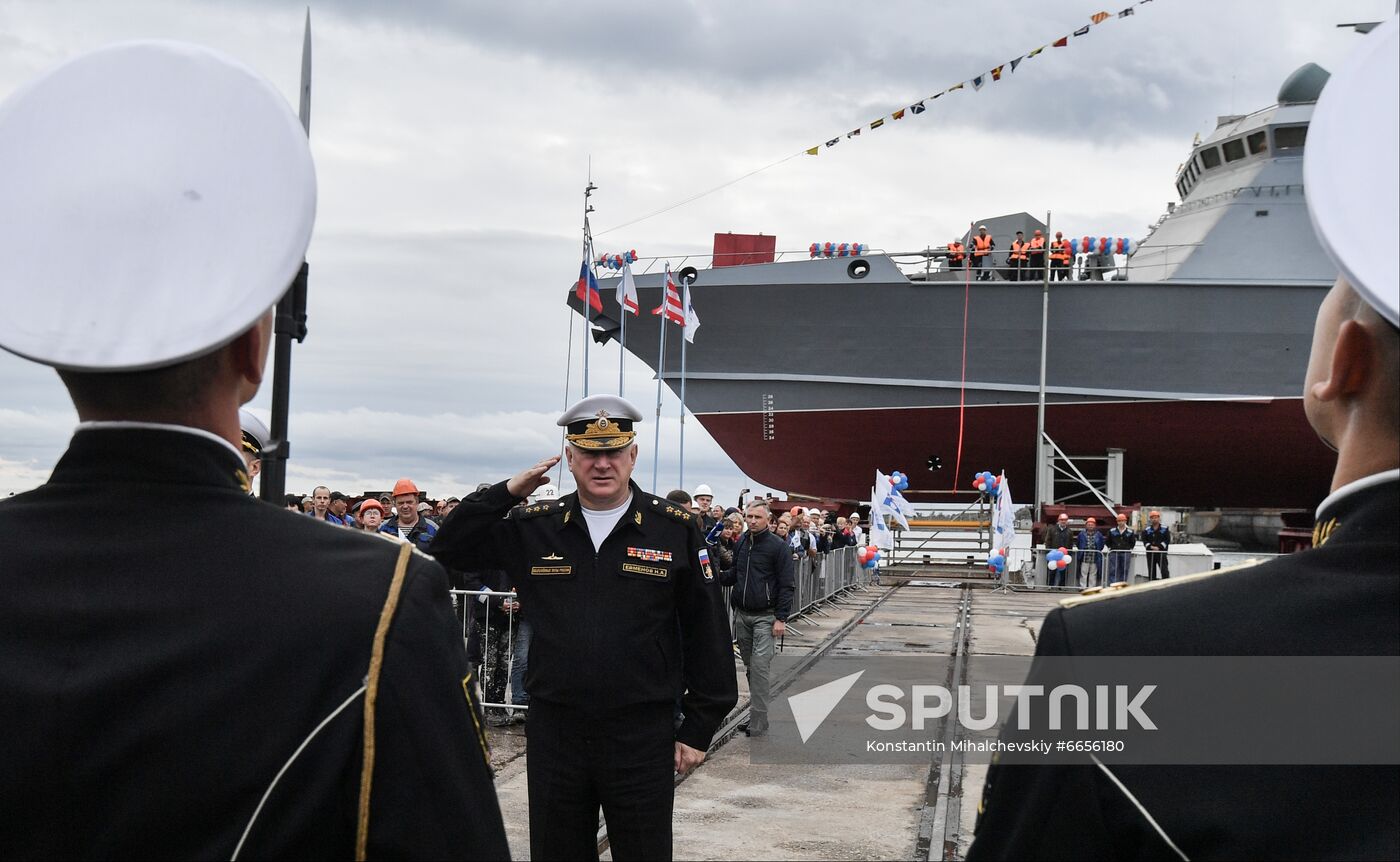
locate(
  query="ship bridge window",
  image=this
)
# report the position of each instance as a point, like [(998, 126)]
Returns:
[(1210, 158), (1290, 137), (1181, 188), (1234, 150), (1257, 143)]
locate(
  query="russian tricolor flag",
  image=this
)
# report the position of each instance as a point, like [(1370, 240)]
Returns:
[(588, 288)]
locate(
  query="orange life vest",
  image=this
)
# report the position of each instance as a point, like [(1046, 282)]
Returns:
[(955, 252), (1037, 244), (1018, 250), (1059, 250), (981, 245)]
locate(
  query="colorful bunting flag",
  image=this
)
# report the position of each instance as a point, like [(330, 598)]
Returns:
[(977, 82)]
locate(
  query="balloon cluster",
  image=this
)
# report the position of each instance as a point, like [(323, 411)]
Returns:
[(616, 261), (1101, 245), (996, 563), (898, 480), (868, 557), (1058, 559), (837, 249), (986, 483)]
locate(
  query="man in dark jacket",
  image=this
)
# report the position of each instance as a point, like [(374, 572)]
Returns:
[(762, 599), (1058, 536)]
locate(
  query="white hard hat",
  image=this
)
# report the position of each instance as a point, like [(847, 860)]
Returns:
[(156, 199), (1351, 169), (703, 491)]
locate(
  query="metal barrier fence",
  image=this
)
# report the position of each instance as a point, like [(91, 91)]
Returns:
[(497, 656), (1101, 568), (816, 582)]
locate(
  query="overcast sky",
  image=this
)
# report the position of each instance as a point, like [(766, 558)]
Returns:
[(453, 140)]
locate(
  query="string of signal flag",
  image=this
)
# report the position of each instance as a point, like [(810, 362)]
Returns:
[(977, 82)]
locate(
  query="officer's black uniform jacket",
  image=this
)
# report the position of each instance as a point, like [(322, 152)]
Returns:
[(1341, 598), (604, 623), (166, 644)]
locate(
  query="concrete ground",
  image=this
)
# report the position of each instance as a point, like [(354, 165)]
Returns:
[(732, 808)]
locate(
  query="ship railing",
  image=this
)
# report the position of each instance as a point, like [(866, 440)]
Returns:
[(648, 265), (1274, 191)]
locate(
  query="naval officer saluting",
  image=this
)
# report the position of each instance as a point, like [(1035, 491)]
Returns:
[(228, 680), (626, 614), (1339, 599)]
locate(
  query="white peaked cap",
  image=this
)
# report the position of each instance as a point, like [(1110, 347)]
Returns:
[(1351, 169), (156, 199)]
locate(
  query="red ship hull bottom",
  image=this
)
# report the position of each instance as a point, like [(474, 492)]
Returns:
[(1203, 454)]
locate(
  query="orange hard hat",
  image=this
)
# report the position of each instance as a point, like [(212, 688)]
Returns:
[(405, 486), (1058, 234), (1037, 231)]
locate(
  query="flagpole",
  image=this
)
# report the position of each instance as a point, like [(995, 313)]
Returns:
[(568, 371), (685, 312), (660, 367), (1040, 477), (622, 351), (587, 262)]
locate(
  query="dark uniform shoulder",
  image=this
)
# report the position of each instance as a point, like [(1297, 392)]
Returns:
[(661, 506), (535, 510)]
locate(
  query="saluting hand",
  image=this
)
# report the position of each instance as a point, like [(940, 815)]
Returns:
[(687, 758), (524, 484)]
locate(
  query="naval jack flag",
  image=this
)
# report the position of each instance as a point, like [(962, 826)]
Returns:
[(627, 291)]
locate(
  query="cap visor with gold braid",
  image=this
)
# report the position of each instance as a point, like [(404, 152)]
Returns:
[(601, 423)]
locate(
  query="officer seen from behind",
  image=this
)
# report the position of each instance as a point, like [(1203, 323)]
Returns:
[(626, 614), (1339, 598)]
